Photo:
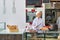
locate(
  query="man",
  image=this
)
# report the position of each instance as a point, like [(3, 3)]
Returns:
[(38, 23), (58, 23)]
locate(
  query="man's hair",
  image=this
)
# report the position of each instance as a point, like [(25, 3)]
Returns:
[(38, 12)]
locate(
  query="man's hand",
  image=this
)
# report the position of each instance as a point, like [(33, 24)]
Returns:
[(44, 28)]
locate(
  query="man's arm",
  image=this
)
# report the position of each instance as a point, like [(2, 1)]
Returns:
[(57, 21), (34, 22)]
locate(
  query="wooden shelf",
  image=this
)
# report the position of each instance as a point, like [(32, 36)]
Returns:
[(55, 0), (11, 37)]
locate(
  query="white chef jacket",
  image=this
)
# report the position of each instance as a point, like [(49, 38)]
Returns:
[(58, 22), (37, 22)]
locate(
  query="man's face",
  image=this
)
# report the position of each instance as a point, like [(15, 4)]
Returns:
[(39, 14)]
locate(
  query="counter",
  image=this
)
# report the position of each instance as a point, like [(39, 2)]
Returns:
[(5, 35), (45, 35)]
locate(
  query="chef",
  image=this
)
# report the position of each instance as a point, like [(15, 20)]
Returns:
[(58, 23), (38, 23)]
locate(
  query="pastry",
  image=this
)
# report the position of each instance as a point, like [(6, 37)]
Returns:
[(12, 28)]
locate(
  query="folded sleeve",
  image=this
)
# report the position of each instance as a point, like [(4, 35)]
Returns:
[(57, 21)]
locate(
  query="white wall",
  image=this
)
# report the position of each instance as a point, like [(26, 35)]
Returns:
[(9, 17)]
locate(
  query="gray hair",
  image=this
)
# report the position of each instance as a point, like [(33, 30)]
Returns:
[(38, 12)]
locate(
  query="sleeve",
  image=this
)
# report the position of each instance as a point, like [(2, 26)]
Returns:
[(34, 23), (43, 24), (57, 21)]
